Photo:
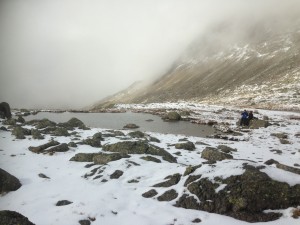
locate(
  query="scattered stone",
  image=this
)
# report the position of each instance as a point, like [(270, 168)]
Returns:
[(43, 176), (133, 181), (8, 217), (296, 213), (186, 146), (168, 196), (84, 222), (191, 179), (72, 144), (84, 157), (255, 124), (3, 128), (116, 174), (131, 126), (154, 139), (8, 182), (20, 119), (280, 135), (20, 132), (63, 203), (197, 220), (10, 122), (150, 194), (172, 180), (213, 154), (150, 158), (284, 141), (73, 123), (60, 131)]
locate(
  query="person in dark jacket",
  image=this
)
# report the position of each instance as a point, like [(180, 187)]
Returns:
[(244, 118)]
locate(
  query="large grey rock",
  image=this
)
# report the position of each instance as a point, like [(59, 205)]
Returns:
[(168, 196), (8, 182), (103, 158), (43, 147), (171, 180), (139, 147), (213, 154), (186, 146)]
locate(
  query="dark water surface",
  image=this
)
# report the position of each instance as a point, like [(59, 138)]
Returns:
[(119, 120)]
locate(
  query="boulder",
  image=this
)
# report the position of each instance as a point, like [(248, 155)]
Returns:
[(13, 218), (20, 132), (84, 157), (256, 123), (117, 174), (139, 147), (186, 146), (73, 123), (150, 194), (136, 134), (36, 134), (63, 203), (212, 154), (43, 147), (173, 116), (168, 196), (151, 158), (8, 182), (59, 148)]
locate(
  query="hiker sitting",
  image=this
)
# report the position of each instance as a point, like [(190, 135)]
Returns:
[(244, 119)]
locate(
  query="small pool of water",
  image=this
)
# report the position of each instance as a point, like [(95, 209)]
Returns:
[(146, 122)]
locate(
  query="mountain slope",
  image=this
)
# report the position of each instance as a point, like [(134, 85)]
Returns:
[(263, 70)]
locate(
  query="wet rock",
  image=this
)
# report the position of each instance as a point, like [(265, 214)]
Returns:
[(131, 126), (63, 203), (139, 147), (172, 180), (150, 158), (103, 158), (186, 146), (13, 218), (137, 134), (213, 154), (8, 182), (116, 174), (168, 196), (43, 147), (150, 194)]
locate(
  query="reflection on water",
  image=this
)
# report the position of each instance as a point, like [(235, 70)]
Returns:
[(146, 122)]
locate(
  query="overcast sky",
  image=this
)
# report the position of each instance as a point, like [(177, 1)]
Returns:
[(72, 53)]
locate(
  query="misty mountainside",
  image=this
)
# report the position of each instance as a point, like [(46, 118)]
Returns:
[(258, 68)]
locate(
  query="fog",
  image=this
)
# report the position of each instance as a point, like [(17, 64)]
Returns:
[(72, 53)]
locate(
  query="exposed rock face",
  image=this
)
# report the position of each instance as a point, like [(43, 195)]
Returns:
[(13, 218), (244, 197), (73, 123), (151, 158), (117, 174), (213, 154), (150, 194), (8, 182), (139, 147)]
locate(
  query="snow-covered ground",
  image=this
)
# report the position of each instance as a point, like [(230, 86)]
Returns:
[(117, 201)]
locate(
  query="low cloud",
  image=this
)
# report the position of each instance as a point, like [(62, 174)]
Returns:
[(72, 53)]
